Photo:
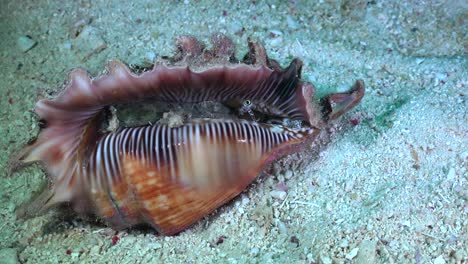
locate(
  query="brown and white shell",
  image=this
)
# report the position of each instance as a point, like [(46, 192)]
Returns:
[(169, 177)]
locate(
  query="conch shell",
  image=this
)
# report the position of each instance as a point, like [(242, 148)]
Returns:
[(169, 177)]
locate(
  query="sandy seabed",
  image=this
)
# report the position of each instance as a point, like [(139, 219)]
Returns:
[(390, 187)]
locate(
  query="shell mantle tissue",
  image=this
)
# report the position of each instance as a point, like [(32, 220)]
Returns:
[(171, 176)]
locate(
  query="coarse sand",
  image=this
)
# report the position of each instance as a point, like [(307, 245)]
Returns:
[(389, 187)]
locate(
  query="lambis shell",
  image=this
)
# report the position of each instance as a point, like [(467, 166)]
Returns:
[(164, 176)]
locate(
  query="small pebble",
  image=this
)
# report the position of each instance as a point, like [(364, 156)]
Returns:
[(325, 260), (150, 56), (464, 155), (67, 45), (241, 210), (282, 227), (440, 76), (367, 252), (344, 243), (25, 43), (352, 254), (245, 200), (254, 251), (153, 245), (406, 223), (278, 194), (235, 27), (349, 186), (275, 42), (451, 174), (439, 260), (275, 33), (292, 24)]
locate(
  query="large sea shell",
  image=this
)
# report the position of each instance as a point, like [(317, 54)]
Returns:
[(169, 177)]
